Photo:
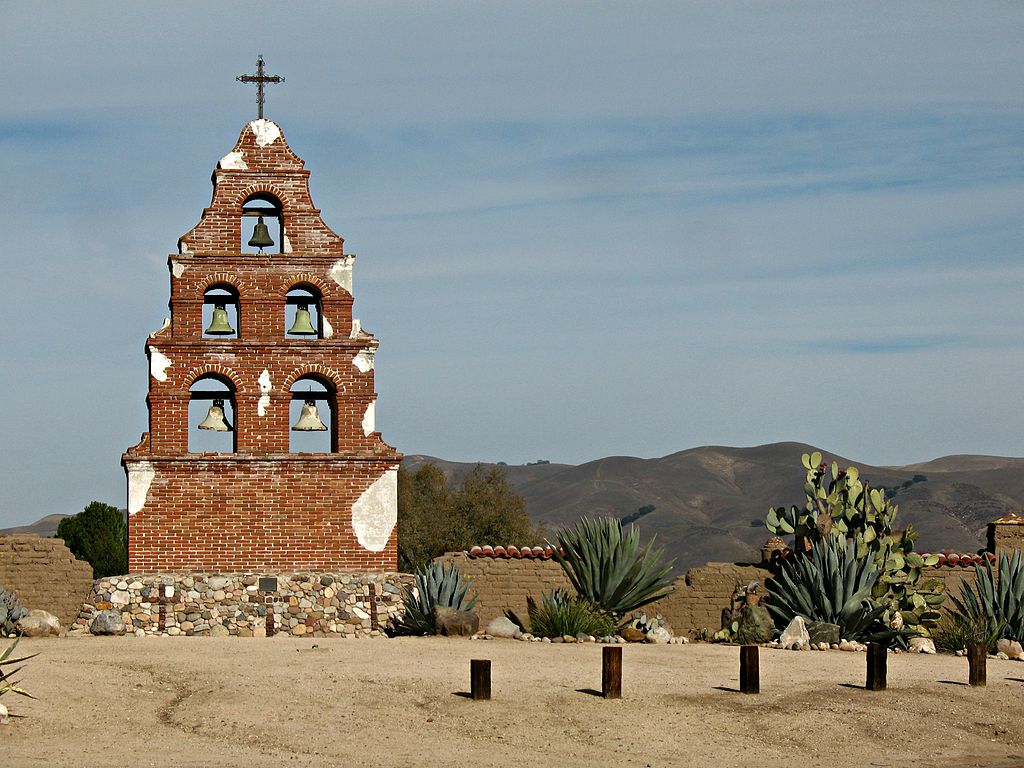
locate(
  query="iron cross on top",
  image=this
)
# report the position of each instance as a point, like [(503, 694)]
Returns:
[(259, 78)]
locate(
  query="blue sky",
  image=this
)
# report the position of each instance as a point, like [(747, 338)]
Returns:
[(583, 229)]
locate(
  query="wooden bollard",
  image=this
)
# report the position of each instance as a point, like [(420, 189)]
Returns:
[(480, 679), (977, 658), (876, 666), (611, 672), (750, 672)]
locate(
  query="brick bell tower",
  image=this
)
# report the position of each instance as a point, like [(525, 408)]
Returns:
[(261, 454)]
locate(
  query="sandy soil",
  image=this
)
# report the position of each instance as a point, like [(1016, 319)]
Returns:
[(282, 701)]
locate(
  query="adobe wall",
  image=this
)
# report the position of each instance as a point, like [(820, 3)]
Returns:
[(501, 584), (44, 574)]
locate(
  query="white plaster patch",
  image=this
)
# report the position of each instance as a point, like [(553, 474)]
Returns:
[(233, 161), (370, 418), (341, 272), (287, 244), (265, 388), (158, 364), (328, 328), (266, 131), (375, 513), (357, 329), (140, 477), (183, 248), (164, 327), (177, 268), (364, 360)]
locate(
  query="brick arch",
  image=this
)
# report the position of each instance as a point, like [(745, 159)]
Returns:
[(314, 369), (294, 281), (226, 278), (217, 369), (266, 189)]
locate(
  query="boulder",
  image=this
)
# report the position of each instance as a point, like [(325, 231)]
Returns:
[(1012, 648), (823, 632), (502, 627), (107, 623), (795, 635), (922, 645), (219, 630), (659, 635), (455, 623), (756, 625), (633, 635), (37, 623), (4, 719)]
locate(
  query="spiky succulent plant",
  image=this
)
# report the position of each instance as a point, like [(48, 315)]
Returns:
[(995, 603), (436, 585), (608, 567)]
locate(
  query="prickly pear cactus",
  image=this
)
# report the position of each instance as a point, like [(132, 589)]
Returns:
[(841, 504)]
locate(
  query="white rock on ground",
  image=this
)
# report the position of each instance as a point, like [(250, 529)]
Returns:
[(922, 645), (502, 627), (795, 634), (1011, 648), (38, 623)]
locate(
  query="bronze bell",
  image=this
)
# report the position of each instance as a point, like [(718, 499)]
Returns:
[(302, 325), (215, 418), (309, 419), (260, 236), (219, 325)]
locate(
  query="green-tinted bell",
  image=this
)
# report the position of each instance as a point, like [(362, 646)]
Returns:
[(302, 325), (260, 236), (215, 418), (219, 325)]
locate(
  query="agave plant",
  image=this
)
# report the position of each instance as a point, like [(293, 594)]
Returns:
[(7, 682), (608, 567), (829, 584), (996, 604), (436, 585)]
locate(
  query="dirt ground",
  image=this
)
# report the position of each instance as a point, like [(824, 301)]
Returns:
[(329, 702)]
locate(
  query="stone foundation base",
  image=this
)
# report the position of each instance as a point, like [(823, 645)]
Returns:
[(316, 604)]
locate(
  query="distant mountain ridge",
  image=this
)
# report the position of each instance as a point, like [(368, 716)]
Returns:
[(710, 501)]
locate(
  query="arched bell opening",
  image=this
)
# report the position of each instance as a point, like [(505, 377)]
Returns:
[(262, 224), (313, 416), (221, 312), (302, 315), (211, 416)]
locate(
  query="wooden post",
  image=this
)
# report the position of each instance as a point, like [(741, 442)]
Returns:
[(876, 666), (611, 672), (480, 679), (750, 672), (977, 658)]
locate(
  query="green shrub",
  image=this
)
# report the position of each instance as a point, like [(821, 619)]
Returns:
[(563, 614), (609, 568), (956, 631), (99, 536), (10, 612), (436, 585), (998, 608)]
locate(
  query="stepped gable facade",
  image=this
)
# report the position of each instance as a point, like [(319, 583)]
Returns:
[(257, 502)]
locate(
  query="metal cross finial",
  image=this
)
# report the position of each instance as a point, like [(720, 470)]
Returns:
[(259, 78)]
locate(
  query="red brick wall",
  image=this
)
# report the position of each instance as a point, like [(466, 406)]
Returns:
[(259, 508)]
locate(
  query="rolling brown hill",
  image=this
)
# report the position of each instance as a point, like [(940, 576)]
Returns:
[(710, 502)]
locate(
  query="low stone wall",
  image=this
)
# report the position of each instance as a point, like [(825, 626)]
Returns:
[(44, 574), (317, 604)]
